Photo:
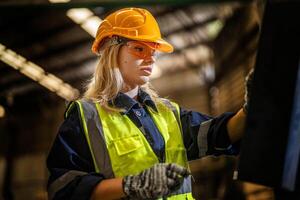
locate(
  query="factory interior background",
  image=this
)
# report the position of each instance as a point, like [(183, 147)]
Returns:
[(46, 61)]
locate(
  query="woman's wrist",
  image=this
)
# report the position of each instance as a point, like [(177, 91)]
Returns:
[(109, 189)]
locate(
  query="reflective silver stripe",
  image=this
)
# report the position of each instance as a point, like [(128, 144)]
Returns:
[(97, 138), (177, 115), (62, 181), (222, 149), (202, 137), (174, 110)]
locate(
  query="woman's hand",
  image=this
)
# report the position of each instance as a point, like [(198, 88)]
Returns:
[(236, 125), (248, 85), (155, 182)]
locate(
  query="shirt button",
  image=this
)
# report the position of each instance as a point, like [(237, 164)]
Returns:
[(138, 113)]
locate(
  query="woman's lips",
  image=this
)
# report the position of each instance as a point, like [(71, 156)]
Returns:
[(147, 69)]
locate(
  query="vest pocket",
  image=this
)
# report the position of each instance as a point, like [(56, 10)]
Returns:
[(131, 155), (126, 145)]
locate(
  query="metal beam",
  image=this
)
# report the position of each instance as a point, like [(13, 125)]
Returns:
[(80, 71), (103, 3)]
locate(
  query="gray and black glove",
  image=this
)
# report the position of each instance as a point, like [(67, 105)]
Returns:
[(248, 85), (155, 182)]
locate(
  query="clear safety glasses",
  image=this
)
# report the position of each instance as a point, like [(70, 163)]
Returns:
[(142, 49)]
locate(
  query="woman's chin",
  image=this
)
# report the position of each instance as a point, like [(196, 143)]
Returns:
[(144, 79)]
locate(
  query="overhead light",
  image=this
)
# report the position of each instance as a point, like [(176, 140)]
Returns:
[(85, 18), (66, 91), (2, 111), (178, 41), (207, 72), (214, 28), (32, 71), (91, 25), (37, 73), (79, 15), (10, 57), (198, 54), (59, 1), (51, 82)]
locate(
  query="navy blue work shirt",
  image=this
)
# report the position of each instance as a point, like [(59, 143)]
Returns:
[(70, 150)]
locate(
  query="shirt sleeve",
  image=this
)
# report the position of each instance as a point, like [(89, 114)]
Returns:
[(205, 135), (72, 174)]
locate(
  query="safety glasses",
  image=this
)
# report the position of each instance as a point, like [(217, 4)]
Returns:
[(142, 49)]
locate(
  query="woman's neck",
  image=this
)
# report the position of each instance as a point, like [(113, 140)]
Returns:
[(132, 92)]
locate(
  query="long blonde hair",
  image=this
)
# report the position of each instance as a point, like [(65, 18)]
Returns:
[(107, 80)]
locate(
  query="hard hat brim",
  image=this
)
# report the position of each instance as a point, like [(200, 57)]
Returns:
[(164, 46), (159, 45)]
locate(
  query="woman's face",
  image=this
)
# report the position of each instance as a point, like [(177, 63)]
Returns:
[(136, 61)]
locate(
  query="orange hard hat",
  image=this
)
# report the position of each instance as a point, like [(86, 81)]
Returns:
[(132, 23)]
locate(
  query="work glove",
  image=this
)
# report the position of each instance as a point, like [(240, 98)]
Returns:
[(155, 182), (248, 85)]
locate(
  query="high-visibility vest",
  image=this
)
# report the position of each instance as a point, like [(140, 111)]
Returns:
[(119, 148)]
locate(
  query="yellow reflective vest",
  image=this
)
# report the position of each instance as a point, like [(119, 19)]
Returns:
[(119, 148)]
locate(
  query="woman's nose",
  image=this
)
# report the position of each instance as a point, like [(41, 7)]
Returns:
[(149, 59)]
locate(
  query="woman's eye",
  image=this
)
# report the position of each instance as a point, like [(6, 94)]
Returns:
[(139, 49)]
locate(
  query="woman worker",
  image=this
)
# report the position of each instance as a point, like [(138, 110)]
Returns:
[(121, 140)]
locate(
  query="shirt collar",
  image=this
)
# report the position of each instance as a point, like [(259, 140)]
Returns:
[(145, 98), (127, 103)]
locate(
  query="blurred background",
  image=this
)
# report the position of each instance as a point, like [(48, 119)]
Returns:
[(45, 61)]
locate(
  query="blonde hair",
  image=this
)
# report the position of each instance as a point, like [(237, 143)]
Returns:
[(107, 80)]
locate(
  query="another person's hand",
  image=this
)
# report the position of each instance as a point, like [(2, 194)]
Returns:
[(155, 182), (248, 85)]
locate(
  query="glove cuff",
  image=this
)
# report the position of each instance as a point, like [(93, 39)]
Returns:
[(126, 183)]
